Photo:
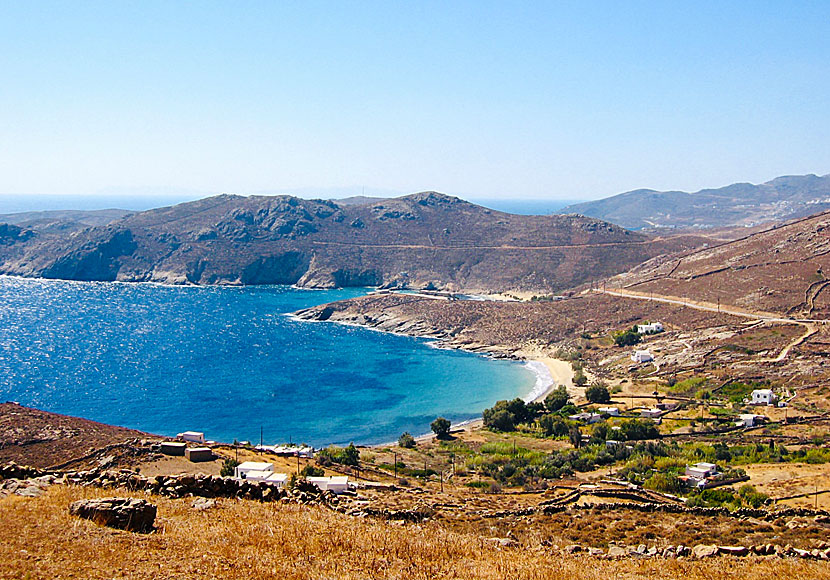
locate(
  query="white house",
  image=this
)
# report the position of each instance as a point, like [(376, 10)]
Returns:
[(763, 397), (335, 483), (192, 436), (650, 413), (613, 411), (288, 450), (586, 417), (641, 356), (701, 471), (749, 420), (278, 479), (651, 328), (253, 470)]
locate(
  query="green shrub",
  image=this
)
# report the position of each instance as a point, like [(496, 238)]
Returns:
[(343, 455), (311, 471), (406, 440), (598, 394), (626, 338), (441, 427), (557, 399), (228, 467)]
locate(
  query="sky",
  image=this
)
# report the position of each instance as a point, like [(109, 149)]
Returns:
[(521, 100)]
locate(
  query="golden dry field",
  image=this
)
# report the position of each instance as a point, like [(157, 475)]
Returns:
[(241, 539)]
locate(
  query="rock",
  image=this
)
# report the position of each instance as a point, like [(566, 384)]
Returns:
[(573, 548), (596, 551), (616, 552), (683, 550), (203, 503), (705, 550), (733, 550), (132, 514), (652, 551)]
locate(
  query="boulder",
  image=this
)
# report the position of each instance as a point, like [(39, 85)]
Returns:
[(126, 513), (705, 550), (616, 552), (203, 503), (733, 550)]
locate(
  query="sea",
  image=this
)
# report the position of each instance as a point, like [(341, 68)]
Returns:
[(232, 362)]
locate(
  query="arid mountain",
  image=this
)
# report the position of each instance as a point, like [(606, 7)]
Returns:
[(419, 240), (740, 204), (782, 270)]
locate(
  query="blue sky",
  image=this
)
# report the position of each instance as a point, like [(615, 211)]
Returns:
[(478, 99)]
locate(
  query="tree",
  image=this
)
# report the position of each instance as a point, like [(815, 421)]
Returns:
[(228, 467), (557, 399), (351, 456), (553, 425), (580, 379), (406, 440), (597, 394), (311, 471), (441, 427), (626, 338), (575, 436), (499, 419)]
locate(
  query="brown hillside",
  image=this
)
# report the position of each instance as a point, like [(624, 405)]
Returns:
[(420, 240), (783, 270), (42, 439)]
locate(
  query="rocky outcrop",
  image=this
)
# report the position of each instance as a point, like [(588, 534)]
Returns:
[(131, 514)]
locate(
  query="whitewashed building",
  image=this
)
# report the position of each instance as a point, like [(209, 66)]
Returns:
[(334, 483), (253, 470), (701, 471), (641, 356), (650, 328), (763, 397), (749, 420), (650, 413), (192, 436), (612, 411)]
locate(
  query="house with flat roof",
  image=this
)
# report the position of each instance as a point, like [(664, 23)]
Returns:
[(334, 483), (253, 470), (650, 328), (641, 356), (763, 397), (192, 436), (701, 471)]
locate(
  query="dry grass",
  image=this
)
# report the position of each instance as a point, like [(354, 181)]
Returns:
[(243, 539)]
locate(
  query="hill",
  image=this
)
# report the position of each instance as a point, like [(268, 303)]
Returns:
[(782, 270), (42, 439), (739, 204), (421, 240)]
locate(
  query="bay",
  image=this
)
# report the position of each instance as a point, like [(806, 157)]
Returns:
[(229, 361)]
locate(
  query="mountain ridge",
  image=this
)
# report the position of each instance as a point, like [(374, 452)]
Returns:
[(739, 204), (421, 240)]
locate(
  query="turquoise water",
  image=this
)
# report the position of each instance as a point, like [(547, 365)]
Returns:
[(227, 361)]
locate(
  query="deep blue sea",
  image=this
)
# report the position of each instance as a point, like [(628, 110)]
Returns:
[(229, 361)]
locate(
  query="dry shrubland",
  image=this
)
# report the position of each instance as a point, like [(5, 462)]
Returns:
[(242, 539)]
